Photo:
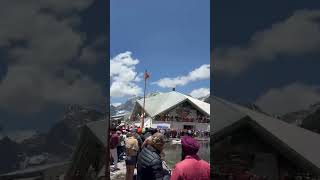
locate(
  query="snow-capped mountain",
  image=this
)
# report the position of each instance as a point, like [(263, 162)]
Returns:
[(204, 98), (255, 107), (20, 136), (307, 118), (63, 136), (38, 159), (127, 106), (298, 117)]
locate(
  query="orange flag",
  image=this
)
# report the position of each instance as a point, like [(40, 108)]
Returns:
[(146, 75)]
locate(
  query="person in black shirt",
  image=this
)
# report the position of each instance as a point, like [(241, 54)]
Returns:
[(149, 164)]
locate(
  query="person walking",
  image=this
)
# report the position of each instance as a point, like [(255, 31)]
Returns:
[(137, 136), (191, 167), (132, 149), (121, 145), (114, 141), (149, 166)]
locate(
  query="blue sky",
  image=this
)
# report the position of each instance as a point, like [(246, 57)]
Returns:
[(169, 38)]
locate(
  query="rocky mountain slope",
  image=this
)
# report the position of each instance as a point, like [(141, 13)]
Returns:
[(308, 118), (58, 143), (55, 146), (205, 98), (63, 136)]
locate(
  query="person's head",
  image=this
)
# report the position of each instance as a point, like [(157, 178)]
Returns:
[(157, 141), (153, 131), (148, 130), (189, 132), (189, 146), (133, 130), (182, 133), (131, 134), (113, 130), (128, 134), (143, 130), (139, 131)]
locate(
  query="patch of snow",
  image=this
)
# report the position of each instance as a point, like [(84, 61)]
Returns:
[(122, 112), (134, 98), (20, 136), (38, 159), (37, 168), (116, 104)]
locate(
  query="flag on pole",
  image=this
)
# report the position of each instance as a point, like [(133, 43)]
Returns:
[(146, 75)]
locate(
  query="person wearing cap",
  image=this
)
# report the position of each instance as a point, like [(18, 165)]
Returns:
[(149, 160), (191, 167), (132, 149)]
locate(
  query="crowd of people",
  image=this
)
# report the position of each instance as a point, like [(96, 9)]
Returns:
[(173, 133), (142, 149)]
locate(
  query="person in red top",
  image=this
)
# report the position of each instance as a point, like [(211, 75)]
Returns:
[(191, 167)]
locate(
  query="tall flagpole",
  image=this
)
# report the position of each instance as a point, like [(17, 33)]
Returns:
[(144, 98)]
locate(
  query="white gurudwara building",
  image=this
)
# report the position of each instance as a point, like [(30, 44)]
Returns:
[(173, 110)]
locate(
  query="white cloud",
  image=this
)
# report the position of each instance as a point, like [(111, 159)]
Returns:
[(50, 42), (290, 98), (91, 53), (201, 73), (139, 77), (296, 35), (62, 6), (201, 92), (124, 76), (29, 89)]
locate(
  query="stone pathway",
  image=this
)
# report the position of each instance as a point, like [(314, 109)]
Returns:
[(119, 174)]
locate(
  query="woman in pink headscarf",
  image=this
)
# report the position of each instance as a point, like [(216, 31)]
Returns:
[(191, 167)]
